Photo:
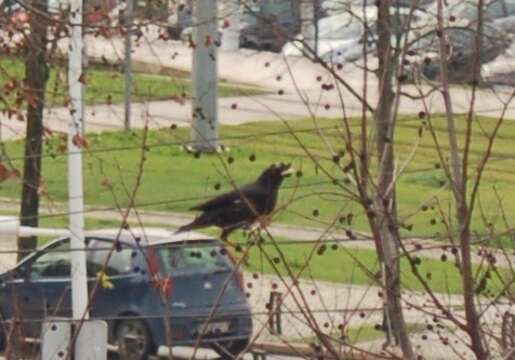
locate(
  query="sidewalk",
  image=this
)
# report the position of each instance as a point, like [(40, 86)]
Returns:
[(162, 114)]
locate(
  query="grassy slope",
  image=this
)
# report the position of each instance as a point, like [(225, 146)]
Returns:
[(358, 266), (177, 180), (105, 84)]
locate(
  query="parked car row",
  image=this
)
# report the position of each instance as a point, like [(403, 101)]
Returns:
[(148, 278), (262, 25), (462, 55), (336, 33), (461, 21), (340, 37)]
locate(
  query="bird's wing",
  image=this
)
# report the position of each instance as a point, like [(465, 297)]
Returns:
[(235, 197)]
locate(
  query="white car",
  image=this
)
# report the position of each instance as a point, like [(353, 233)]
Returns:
[(502, 68), (341, 37), (337, 6)]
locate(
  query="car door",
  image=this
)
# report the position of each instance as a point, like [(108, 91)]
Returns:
[(52, 272), (111, 275), (41, 287), (19, 300)]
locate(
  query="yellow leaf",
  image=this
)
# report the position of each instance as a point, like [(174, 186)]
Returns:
[(104, 281)]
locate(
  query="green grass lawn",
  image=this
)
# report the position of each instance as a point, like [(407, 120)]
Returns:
[(175, 180), (105, 84), (360, 266)]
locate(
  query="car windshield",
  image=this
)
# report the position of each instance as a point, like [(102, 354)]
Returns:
[(192, 259)]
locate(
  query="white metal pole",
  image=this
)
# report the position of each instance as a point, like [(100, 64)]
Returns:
[(75, 191), (204, 77), (10, 225), (128, 19)]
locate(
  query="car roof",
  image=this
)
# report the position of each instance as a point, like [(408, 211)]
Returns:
[(148, 236)]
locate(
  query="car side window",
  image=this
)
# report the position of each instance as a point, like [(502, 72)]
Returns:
[(120, 261), (53, 263)]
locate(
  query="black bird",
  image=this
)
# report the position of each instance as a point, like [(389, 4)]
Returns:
[(241, 207)]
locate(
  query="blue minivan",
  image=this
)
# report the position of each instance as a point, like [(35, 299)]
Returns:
[(152, 287)]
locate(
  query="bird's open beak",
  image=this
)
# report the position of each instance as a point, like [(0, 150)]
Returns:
[(287, 171)]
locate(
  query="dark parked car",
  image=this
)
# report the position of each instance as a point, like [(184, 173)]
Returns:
[(158, 276), (268, 35), (268, 25), (461, 51)]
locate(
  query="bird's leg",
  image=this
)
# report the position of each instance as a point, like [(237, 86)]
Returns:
[(223, 237), (225, 234), (263, 221)]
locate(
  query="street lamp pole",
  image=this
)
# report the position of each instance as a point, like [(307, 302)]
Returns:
[(204, 77)]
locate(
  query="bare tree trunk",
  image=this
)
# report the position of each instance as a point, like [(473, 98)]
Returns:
[(384, 201), (458, 174), (36, 75)]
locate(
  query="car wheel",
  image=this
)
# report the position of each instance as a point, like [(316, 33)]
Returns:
[(134, 340), (230, 349)]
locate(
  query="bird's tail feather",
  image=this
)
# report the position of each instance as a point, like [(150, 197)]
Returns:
[(183, 228), (195, 224)]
